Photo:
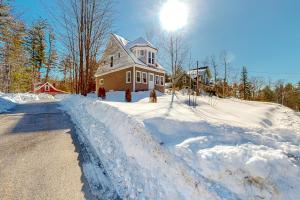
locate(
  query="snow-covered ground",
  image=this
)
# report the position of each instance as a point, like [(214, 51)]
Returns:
[(9, 100), (220, 149)]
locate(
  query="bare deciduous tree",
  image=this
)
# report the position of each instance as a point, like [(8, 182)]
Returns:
[(175, 52), (214, 65), (87, 24), (225, 59)]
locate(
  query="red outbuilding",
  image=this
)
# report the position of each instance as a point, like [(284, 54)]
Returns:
[(47, 88)]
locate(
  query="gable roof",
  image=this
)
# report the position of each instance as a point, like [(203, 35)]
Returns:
[(41, 85), (123, 42), (126, 46), (140, 42)]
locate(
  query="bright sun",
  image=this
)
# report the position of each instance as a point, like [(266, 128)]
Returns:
[(174, 15)]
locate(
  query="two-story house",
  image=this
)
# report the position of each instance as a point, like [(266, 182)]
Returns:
[(130, 65)]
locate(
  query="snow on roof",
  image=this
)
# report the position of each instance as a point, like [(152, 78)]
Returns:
[(139, 42), (201, 71), (122, 40)]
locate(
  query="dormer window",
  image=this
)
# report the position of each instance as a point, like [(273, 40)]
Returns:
[(151, 58), (142, 53)]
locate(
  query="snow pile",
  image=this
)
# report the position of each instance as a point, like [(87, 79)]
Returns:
[(5, 103), (250, 148), (221, 149), (137, 164), (9, 100)]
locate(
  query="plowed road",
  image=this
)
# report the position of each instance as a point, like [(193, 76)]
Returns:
[(38, 158)]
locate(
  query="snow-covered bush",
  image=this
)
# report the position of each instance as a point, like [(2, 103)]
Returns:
[(153, 96)]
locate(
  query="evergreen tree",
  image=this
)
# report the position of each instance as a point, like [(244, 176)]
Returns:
[(20, 80), (245, 85), (5, 25), (5, 20), (14, 76), (51, 53), (36, 47)]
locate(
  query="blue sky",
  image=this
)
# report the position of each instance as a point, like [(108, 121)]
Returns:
[(263, 35)]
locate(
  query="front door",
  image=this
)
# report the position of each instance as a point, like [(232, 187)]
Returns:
[(151, 81)]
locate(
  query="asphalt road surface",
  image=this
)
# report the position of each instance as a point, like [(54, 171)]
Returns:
[(38, 158)]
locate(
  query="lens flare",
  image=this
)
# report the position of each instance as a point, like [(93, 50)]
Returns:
[(174, 15)]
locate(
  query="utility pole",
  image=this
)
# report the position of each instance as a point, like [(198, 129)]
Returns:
[(197, 78)]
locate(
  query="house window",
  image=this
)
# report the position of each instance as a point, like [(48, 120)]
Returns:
[(119, 54), (149, 57), (128, 77), (101, 82), (111, 61), (145, 77), (157, 80), (184, 79), (138, 76), (162, 80), (153, 58), (47, 88), (142, 53)]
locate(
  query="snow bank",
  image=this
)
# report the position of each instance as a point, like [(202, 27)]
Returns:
[(140, 168), (9, 100), (221, 149), (5, 103), (250, 148)]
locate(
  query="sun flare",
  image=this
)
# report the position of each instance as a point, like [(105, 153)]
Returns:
[(174, 15)]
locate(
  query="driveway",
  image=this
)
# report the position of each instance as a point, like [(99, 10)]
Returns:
[(38, 158)]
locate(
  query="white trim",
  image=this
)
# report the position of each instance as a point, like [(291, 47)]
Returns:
[(119, 43), (151, 69), (128, 72), (149, 80), (143, 78), (125, 67), (140, 76), (38, 88)]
